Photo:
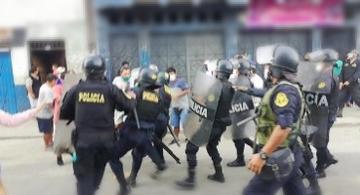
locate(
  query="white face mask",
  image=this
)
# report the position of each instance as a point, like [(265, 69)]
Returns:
[(172, 77), (319, 67)]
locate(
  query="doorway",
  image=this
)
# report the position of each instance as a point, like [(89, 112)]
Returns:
[(44, 54)]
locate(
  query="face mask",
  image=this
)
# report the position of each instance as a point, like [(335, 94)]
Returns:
[(172, 77), (126, 79), (319, 67)]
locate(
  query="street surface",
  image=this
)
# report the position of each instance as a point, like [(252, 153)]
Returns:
[(29, 170)]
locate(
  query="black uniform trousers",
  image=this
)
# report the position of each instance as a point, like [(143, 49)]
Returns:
[(160, 131), (129, 139), (89, 167), (211, 147), (353, 91), (291, 185)]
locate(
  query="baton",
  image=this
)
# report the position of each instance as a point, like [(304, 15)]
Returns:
[(246, 120), (173, 135), (167, 149), (136, 118)]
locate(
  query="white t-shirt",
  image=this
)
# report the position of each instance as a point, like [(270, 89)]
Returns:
[(46, 95)]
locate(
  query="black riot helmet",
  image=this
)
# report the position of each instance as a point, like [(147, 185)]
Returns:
[(285, 60), (244, 67), (94, 66), (148, 78), (163, 78), (224, 69)]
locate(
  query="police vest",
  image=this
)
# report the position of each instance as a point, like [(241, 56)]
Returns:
[(94, 106), (148, 105), (267, 119)]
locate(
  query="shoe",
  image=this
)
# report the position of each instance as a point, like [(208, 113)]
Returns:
[(60, 161), (320, 174), (160, 169), (125, 190), (330, 162), (189, 182), (131, 180), (218, 176), (236, 163), (313, 190), (340, 115)]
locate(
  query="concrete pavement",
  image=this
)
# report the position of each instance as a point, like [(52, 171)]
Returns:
[(28, 169)]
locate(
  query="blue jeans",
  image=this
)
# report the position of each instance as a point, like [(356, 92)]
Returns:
[(177, 117)]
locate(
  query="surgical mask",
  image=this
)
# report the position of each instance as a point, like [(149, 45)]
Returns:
[(126, 79), (319, 67), (172, 77)]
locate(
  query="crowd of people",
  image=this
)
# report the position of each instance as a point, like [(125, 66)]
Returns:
[(136, 110)]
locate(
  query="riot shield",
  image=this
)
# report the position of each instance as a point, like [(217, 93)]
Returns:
[(242, 107), (205, 95), (317, 88), (63, 131)]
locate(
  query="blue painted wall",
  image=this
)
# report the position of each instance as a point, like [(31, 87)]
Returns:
[(7, 86)]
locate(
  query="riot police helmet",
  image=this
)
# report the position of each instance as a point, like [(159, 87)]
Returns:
[(94, 66), (163, 78), (285, 60), (224, 69), (244, 67), (148, 78)]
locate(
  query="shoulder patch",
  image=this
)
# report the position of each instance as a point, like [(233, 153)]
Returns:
[(281, 100), (322, 85)]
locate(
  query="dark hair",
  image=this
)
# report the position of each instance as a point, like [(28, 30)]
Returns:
[(124, 62), (122, 68), (171, 69), (33, 69), (50, 77)]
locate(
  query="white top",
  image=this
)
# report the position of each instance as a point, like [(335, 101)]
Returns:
[(46, 95), (257, 81), (120, 83)]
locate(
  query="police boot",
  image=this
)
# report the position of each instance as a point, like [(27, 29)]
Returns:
[(131, 180), (160, 168), (189, 182), (313, 190), (125, 190), (239, 162), (320, 171), (218, 176)]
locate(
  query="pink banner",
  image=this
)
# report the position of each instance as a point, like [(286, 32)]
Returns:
[(295, 13)]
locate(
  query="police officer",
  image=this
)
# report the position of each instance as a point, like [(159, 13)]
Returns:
[(91, 105), (278, 123), (139, 127), (328, 84), (161, 125), (222, 119), (243, 80), (349, 80)]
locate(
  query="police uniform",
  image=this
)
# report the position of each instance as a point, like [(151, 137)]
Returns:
[(240, 143), (91, 105), (161, 124), (148, 108), (282, 106), (222, 120)]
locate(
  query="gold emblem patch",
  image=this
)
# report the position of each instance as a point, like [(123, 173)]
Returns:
[(281, 100), (211, 98), (322, 85)]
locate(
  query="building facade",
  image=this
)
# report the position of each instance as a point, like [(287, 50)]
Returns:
[(186, 33), (41, 33)]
